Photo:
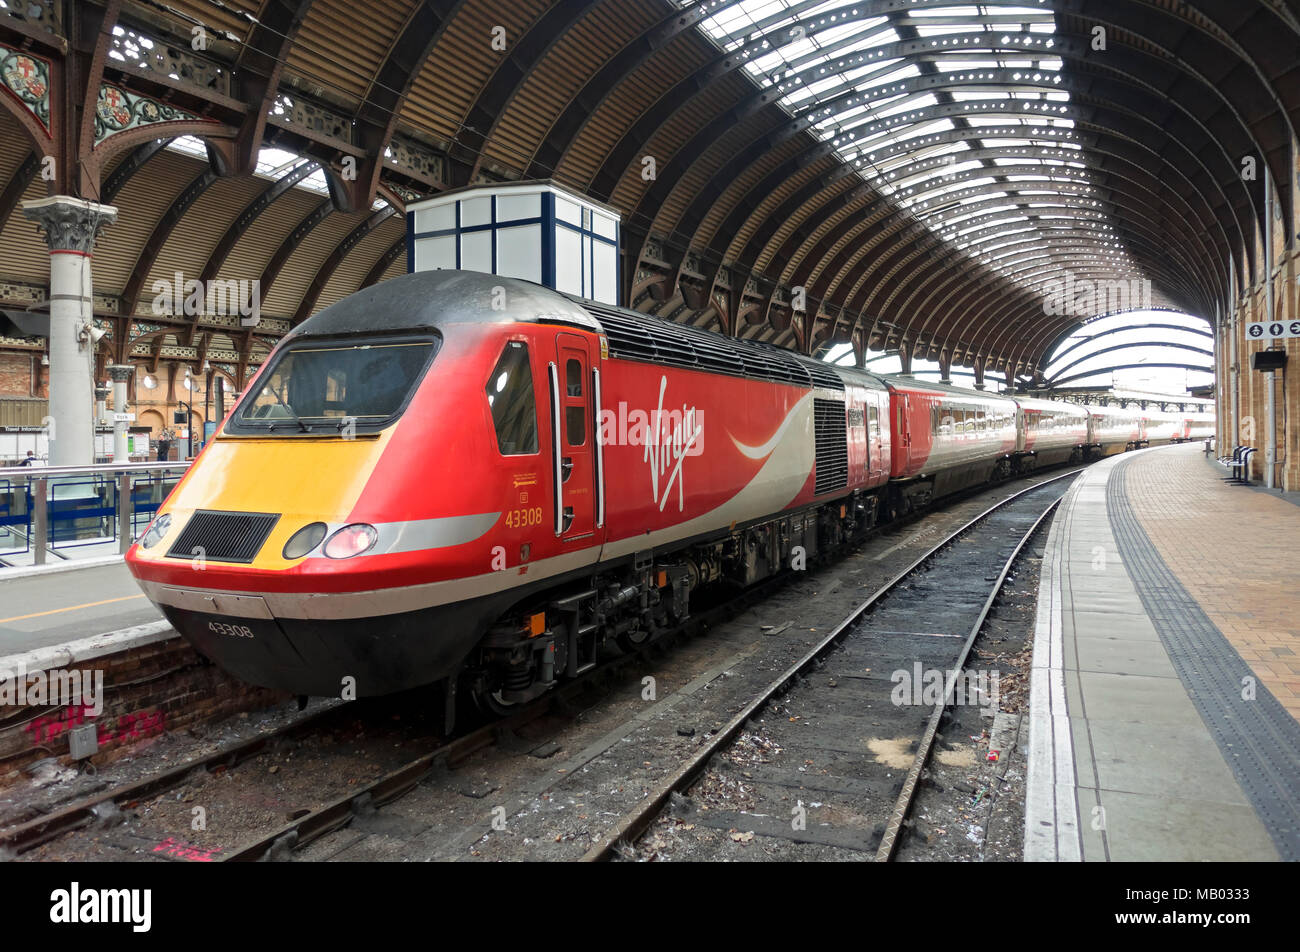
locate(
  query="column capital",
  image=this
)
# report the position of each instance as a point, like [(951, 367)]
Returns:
[(69, 224), (119, 372), (101, 392)]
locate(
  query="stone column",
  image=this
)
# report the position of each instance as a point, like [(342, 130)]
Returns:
[(119, 373), (101, 403), (70, 226), (101, 409)]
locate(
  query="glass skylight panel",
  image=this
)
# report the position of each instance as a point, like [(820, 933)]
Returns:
[(962, 65), (1008, 221), (188, 145), (271, 164), (837, 75), (951, 11), (830, 37)]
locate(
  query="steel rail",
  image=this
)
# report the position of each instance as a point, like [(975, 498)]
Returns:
[(636, 823)]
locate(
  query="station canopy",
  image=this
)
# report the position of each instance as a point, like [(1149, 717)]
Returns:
[(964, 183)]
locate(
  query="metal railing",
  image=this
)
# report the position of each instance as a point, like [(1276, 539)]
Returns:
[(50, 509)]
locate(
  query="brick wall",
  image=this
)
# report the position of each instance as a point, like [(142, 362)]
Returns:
[(1252, 385), (158, 687), (16, 375)]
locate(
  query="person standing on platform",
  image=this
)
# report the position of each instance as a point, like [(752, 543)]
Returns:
[(31, 460), (164, 445)]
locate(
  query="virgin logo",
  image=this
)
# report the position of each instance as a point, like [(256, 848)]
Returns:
[(670, 438)]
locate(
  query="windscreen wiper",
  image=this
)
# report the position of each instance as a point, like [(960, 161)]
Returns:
[(302, 427)]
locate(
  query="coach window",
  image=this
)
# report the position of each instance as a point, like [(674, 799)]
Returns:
[(510, 396)]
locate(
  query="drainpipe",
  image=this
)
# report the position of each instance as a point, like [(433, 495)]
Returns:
[(1270, 451), (1234, 372)]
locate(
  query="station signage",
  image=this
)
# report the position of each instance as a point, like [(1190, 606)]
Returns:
[(1272, 330)]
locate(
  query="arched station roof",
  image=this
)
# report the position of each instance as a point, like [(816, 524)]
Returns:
[(921, 175)]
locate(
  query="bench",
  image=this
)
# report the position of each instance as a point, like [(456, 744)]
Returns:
[(1239, 464)]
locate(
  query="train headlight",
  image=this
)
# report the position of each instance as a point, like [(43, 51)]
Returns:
[(355, 539), (304, 540), (157, 529)]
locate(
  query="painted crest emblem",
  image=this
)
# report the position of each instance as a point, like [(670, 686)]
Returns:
[(27, 79), (23, 75), (112, 108)]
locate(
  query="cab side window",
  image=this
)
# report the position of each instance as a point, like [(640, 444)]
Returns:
[(514, 407)]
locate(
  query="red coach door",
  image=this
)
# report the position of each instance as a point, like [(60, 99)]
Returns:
[(904, 445), (573, 438)]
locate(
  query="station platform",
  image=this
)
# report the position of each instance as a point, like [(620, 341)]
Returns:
[(1165, 696), (69, 602)]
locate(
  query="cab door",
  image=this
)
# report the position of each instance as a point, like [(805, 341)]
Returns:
[(573, 432)]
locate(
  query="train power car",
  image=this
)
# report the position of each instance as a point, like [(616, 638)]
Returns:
[(419, 481), (459, 477)]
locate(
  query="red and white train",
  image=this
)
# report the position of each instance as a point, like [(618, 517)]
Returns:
[(429, 481)]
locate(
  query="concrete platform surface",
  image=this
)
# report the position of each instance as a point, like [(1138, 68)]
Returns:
[(1164, 697), (47, 609)]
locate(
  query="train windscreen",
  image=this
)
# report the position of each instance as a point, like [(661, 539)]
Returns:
[(320, 388)]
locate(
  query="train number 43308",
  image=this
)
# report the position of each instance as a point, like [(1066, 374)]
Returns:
[(234, 631), (522, 518)]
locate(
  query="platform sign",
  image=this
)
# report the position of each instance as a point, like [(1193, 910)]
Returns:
[(1272, 330), (123, 417)]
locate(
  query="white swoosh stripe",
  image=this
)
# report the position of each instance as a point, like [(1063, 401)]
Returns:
[(759, 452)]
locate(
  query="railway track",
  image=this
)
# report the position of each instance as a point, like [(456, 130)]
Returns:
[(306, 826), (838, 695), (91, 811)]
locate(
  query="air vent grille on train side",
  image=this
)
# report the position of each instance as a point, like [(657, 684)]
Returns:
[(636, 336), (832, 445)]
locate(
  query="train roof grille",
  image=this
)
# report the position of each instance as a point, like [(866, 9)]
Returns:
[(636, 336)]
